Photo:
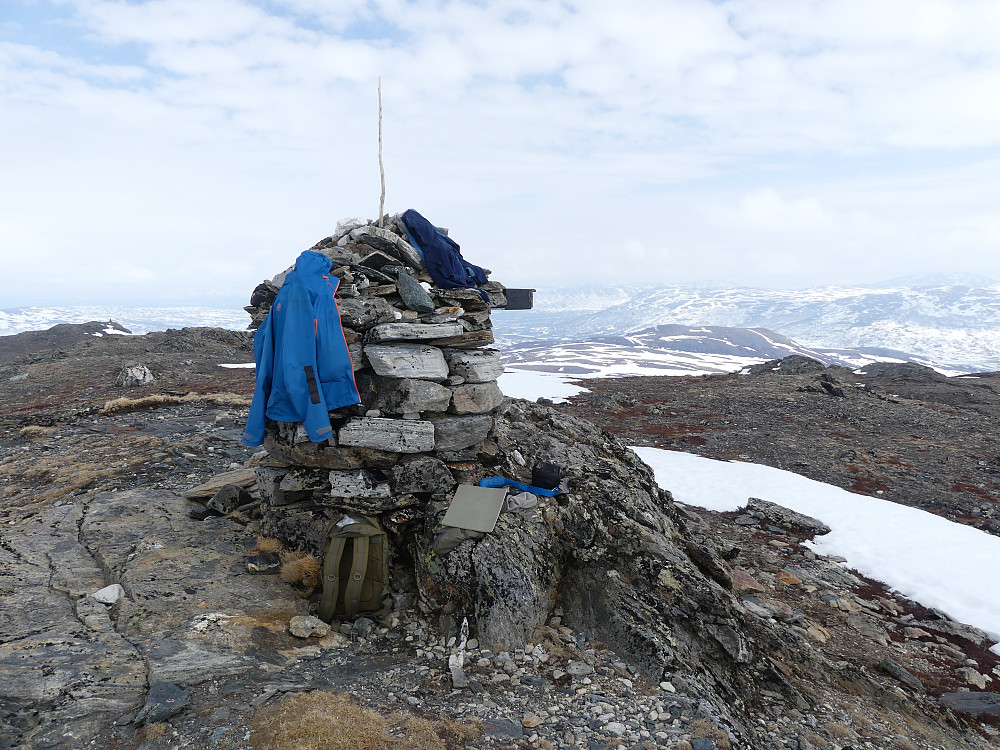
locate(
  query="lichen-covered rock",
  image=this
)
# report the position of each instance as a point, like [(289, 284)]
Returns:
[(135, 374), (322, 456), (408, 395), (778, 515), (476, 365), (412, 332), (407, 361), (364, 312), (455, 433), (614, 553), (424, 474), (478, 398), (391, 435), (358, 483)]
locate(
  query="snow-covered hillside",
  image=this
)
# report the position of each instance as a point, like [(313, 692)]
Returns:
[(955, 325), (137, 319)]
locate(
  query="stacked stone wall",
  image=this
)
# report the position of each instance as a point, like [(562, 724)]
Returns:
[(428, 387)]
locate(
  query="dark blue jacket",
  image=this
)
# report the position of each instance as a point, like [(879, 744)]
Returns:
[(441, 254), (303, 365)]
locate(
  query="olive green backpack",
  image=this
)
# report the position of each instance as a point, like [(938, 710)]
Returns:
[(355, 569)]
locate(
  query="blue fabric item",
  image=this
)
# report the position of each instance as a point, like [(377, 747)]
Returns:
[(303, 364), (504, 482), (442, 255)]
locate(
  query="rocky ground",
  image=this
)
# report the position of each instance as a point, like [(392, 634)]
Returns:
[(195, 651), (901, 432)]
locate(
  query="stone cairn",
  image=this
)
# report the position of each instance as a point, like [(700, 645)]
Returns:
[(428, 391)]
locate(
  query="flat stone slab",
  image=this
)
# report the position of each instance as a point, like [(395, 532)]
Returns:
[(407, 361), (475, 399), (412, 331), (392, 435), (779, 515), (363, 312), (358, 483), (408, 395), (240, 477), (475, 365), (468, 340), (455, 433)]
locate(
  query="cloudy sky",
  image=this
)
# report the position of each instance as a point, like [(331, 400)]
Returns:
[(183, 150)]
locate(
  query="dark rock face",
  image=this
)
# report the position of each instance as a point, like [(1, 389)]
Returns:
[(976, 704), (785, 518), (613, 553)]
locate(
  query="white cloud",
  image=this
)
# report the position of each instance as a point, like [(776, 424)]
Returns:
[(789, 140)]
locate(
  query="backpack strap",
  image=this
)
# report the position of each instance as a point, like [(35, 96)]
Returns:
[(331, 577), (352, 594)]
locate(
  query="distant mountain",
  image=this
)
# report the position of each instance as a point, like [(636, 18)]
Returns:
[(953, 325), (676, 350), (136, 319)]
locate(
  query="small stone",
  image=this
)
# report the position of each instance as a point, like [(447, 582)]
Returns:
[(266, 563), (615, 728), (667, 687), (459, 679), (228, 499), (743, 581), (163, 701), (363, 627), (579, 668), (972, 677), (304, 626), (894, 669), (818, 633), (133, 375), (413, 295), (109, 594), (530, 721)]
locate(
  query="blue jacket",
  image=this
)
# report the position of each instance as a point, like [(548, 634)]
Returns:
[(303, 365), (441, 254)]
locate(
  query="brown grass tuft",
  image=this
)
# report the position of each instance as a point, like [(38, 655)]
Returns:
[(145, 402), (837, 730), (152, 732), (301, 568), (33, 431), (328, 721), (702, 728), (267, 544)]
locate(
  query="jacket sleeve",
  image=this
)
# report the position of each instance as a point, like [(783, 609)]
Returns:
[(263, 357), (301, 375)]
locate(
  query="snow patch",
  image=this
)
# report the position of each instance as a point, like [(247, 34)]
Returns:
[(926, 558)]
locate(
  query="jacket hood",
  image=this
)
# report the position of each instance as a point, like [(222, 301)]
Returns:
[(311, 262)]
